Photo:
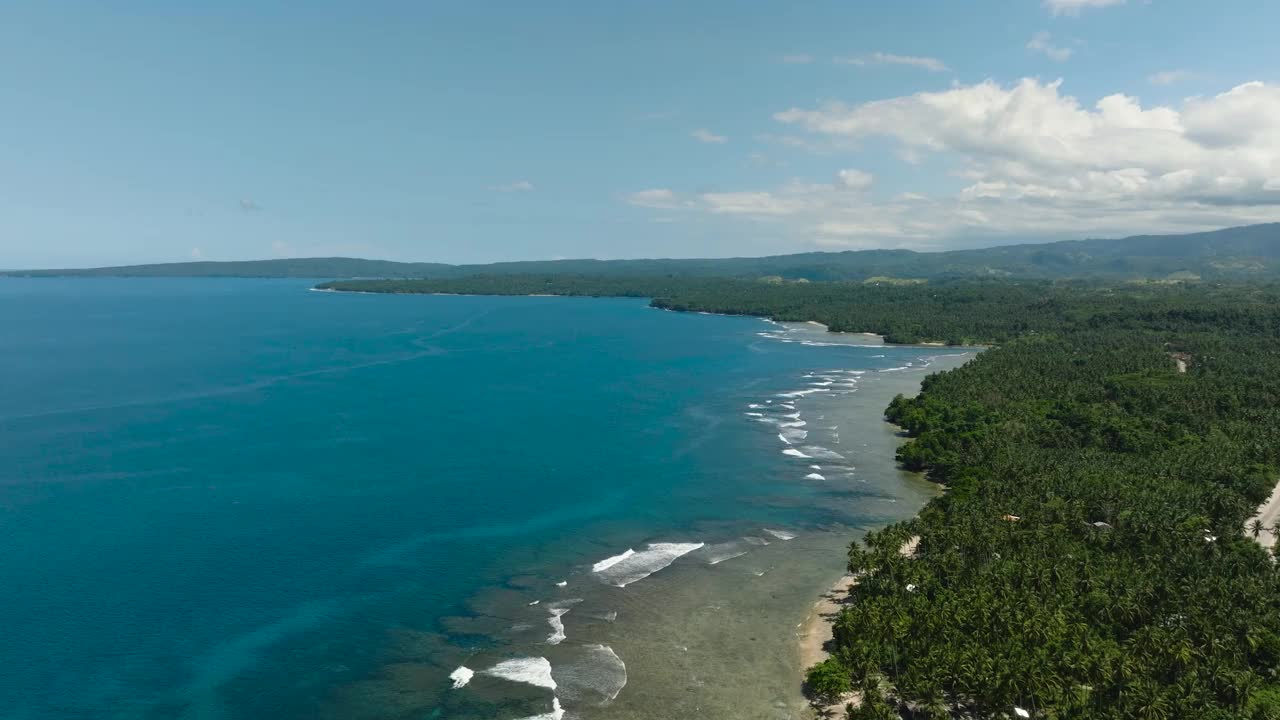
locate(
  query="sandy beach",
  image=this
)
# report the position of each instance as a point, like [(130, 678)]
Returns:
[(1269, 514)]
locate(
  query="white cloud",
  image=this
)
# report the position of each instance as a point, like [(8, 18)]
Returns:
[(517, 186), (1073, 7), (706, 136), (854, 179), (1041, 42), (798, 59), (879, 58), (1168, 77), (197, 253), (1029, 162), (659, 198)]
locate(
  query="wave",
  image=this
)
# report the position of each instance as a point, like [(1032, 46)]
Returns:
[(814, 476), (755, 540), (792, 436), (720, 552), (795, 453), (557, 610), (823, 453), (754, 414), (781, 534), (631, 566), (557, 712), (557, 635), (755, 406), (461, 676), (815, 467), (594, 676), (610, 562), (802, 393), (793, 424), (562, 583), (531, 671)]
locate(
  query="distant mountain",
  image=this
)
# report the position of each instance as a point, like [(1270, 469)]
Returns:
[(1234, 253)]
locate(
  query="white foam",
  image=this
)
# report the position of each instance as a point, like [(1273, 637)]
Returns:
[(557, 712), (531, 671), (793, 416), (557, 635), (824, 383), (793, 436), (461, 676), (562, 583), (610, 562), (754, 414), (756, 540), (794, 453), (814, 476), (595, 676), (802, 393), (820, 452), (718, 553), (781, 534), (789, 406), (556, 610), (631, 566), (815, 467), (755, 406), (793, 424)]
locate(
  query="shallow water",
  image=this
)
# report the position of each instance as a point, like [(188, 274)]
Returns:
[(240, 499)]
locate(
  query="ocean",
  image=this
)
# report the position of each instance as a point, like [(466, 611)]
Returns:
[(226, 499)]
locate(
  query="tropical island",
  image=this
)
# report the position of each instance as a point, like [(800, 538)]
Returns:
[(1096, 553)]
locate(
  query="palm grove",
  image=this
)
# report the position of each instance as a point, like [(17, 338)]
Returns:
[(1092, 557)]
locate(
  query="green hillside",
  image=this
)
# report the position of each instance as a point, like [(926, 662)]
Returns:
[(1234, 253)]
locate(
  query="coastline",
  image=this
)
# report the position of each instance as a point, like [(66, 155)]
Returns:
[(1269, 514)]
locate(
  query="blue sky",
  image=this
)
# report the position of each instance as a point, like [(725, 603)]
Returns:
[(474, 132)]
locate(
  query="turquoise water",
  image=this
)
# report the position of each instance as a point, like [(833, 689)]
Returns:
[(237, 499)]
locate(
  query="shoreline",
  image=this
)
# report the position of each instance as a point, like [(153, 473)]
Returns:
[(1269, 514), (880, 338)]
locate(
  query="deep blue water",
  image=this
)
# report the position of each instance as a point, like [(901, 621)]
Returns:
[(216, 496)]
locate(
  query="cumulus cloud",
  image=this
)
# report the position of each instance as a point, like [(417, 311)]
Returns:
[(1073, 7), (1029, 160), (706, 136), (517, 186), (879, 58), (1041, 42)]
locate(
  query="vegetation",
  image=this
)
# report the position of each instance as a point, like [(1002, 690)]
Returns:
[(1234, 253), (1091, 557)]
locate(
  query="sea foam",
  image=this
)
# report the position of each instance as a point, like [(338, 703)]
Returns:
[(531, 671), (631, 566), (461, 676), (781, 534), (814, 476), (794, 453), (594, 676)]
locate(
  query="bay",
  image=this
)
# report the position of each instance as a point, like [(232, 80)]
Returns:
[(241, 499)]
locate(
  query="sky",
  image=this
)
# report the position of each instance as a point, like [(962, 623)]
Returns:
[(473, 131)]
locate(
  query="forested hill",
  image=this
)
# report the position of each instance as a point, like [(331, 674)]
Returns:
[(1234, 253)]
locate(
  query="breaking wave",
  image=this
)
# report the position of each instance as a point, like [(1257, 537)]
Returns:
[(631, 566), (461, 676), (531, 671), (596, 676)]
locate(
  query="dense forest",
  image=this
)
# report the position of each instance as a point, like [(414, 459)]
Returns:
[(1092, 557), (1248, 252)]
